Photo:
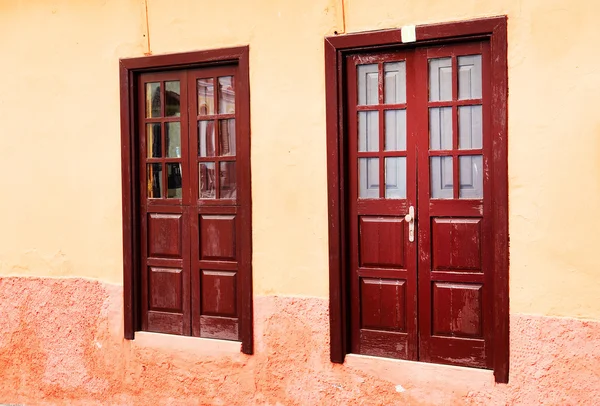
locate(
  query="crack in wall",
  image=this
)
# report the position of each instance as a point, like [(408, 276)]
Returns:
[(343, 17), (148, 50)]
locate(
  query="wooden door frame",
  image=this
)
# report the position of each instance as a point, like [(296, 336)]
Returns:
[(336, 48), (129, 69)]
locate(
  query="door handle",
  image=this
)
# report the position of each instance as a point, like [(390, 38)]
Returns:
[(410, 219)]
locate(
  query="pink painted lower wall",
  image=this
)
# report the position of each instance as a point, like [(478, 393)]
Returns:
[(61, 343)]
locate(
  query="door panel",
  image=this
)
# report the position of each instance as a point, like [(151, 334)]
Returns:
[(454, 208), (381, 241), (457, 309), (215, 237), (165, 289), (165, 266), (381, 188), (383, 304), (165, 237), (456, 244)]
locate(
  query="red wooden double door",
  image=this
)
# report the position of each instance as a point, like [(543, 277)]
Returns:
[(419, 208), (193, 185)]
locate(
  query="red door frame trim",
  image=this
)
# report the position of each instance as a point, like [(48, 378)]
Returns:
[(128, 71), (336, 48)]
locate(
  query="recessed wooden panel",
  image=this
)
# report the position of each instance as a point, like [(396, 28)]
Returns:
[(463, 351), (167, 323), (217, 237), (457, 309), (456, 244), (382, 242), (224, 328), (219, 293), (384, 343), (383, 304), (164, 235), (165, 289)]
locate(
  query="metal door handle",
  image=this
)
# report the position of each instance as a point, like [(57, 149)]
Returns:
[(410, 219)]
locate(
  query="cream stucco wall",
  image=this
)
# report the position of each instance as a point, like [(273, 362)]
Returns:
[(61, 206)]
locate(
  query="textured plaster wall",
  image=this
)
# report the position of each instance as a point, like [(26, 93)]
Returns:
[(61, 343), (60, 133), (59, 104)]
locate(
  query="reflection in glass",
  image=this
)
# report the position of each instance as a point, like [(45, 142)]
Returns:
[(395, 130), (368, 131), (469, 77), (153, 99), (440, 128), (155, 181), (227, 137), (172, 99), (440, 79), (227, 183), (154, 140), (368, 173), (226, 95), (173, 138), (394, 82), (395, 178), (206, 138), (471, 176), (174, 181), (441, 177), (470, 128), (368, 84), (206, 99), (206, 180)]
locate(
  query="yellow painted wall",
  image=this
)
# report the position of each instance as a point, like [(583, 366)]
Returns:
[(60, 211)]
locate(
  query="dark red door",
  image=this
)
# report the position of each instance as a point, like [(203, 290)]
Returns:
[(383, 194), (192, 215), (454, 206), (419, 211), (165, 196), (215, 215)]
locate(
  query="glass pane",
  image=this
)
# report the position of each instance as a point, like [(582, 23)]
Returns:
[(395, 178), (206, 180), (227, 137), (368, 84), (206, 138), (153, 99), (174, 180), (368, 131), (440, 128), (154, 143), (227, 185), (394, 82), (469, 77), (368, 173), (441, 177), (173, 138), (155, 181), (440, 79), (206, 96), (471, 179), (470, 128), (395, 130), (226, 95), (172, 102)]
